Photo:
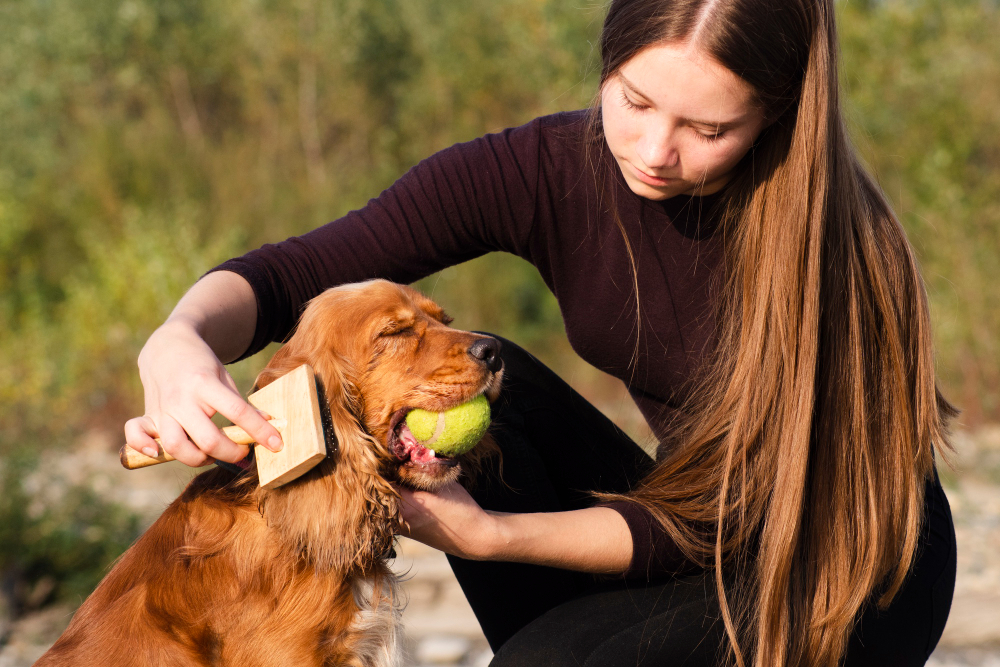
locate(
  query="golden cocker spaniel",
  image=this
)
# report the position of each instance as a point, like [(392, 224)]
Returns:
[(232, 574)]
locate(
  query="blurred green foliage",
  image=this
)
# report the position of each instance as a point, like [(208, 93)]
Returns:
[(923, 78), (143, 142), (55, 543)]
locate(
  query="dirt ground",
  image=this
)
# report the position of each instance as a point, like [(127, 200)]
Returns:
[(440, 625)]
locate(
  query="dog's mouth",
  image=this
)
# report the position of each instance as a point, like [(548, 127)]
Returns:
[(404, 446)]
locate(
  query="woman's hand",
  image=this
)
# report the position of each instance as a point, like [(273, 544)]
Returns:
[(596, 539), (451, 521), (186, 384)]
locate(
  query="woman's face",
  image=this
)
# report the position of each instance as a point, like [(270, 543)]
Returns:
[(677, 121)]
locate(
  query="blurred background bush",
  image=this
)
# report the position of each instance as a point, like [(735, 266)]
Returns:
[(143, 142)]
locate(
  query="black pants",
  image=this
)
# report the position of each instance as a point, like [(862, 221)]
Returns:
[(557, 447)]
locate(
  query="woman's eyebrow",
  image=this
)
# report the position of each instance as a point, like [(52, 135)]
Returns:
[(715, 125)]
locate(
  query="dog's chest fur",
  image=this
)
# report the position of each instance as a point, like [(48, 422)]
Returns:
[(210, 583)]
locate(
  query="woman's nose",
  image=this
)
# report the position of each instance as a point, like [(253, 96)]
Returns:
[(656, 149)]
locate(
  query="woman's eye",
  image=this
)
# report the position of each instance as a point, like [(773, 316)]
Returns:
[(711, 136), (629, 104)]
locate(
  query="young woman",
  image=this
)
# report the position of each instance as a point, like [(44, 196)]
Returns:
[(714, 242)]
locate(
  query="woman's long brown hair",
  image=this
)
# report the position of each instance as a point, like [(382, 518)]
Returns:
[(799, 470)]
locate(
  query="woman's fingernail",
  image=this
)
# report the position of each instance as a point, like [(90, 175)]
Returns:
[(150, 452), (274, 443)]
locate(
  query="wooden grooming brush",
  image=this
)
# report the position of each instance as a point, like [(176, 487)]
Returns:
[(293, 403)]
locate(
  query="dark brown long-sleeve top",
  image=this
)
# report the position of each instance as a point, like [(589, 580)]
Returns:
[(531, 191)]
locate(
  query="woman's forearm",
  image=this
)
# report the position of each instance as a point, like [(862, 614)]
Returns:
[(595, 540), (222, 309)]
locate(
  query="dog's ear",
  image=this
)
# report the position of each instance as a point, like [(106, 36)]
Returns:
[(343, 513), (366, 505)]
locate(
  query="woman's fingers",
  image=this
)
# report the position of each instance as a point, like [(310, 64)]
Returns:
[(405, 510), (181, 418), (448, 519), (140, 434), (177, 413), (231, 405), (207, 438), (174, 440), (228, 380)]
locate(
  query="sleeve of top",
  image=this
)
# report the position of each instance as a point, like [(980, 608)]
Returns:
[(654, 553), (458, 204)]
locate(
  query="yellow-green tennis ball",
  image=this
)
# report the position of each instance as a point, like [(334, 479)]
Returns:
[(454, 431)]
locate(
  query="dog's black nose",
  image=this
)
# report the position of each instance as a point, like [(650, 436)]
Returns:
[(487, 352)]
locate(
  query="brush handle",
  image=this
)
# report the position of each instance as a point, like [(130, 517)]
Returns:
[(132, 460)]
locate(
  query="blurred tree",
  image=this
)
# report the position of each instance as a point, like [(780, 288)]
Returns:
[(924, 80), (142, 142)]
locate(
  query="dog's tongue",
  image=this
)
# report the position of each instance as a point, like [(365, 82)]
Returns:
[(418, 453)]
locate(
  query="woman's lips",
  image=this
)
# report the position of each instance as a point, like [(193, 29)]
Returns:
[(649, 179)]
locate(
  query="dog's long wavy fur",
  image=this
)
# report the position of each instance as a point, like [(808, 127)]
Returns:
[(232, 574)]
